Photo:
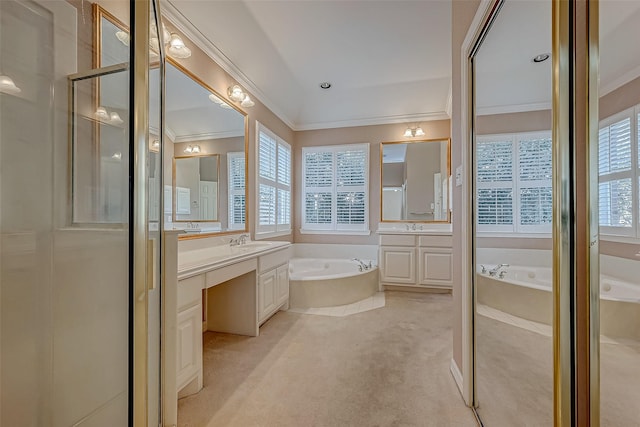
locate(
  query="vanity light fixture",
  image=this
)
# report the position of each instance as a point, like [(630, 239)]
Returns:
[(177, 48), (155, 145), (123, 36), (236, 94), (108, 117), (8, 86), (117, 155), (411, 132), (192, 149), (220, 102), (173, 42)]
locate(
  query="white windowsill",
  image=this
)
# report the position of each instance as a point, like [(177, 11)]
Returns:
[(496, 234), (337, 232), (620, 239), (270, 235)]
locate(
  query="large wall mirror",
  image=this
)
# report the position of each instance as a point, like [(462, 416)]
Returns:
[(206, 137), (415, 181), (205, 156)]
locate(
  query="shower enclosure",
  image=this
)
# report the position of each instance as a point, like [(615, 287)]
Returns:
[(80, 274)]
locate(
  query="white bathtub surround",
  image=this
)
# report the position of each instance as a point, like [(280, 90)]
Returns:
[(525, 292), (528, 257), (371, 303), (319, 250), (326, 282)]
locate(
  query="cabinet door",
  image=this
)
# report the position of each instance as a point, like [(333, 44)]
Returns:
[(189, 344), (267, 287), (282, 274), (398, 264), (436, 267)]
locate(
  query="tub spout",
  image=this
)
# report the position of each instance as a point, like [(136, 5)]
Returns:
[(363, 266), (497, 268)]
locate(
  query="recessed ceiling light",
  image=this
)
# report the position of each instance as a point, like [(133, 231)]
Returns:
[(325, 85), (541, 58)]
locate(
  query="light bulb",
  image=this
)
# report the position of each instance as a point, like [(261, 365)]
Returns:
[(115, 118), (8, 86), (189, 149), (419, 131), (155, 143), (236, 93), (408, 133), (195, 149), (117, 155), (215, 99), (177, 47), (124, 37), (247, 102), (102, 114)]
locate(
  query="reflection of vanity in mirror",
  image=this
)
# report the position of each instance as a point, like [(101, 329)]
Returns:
[(415, 181)]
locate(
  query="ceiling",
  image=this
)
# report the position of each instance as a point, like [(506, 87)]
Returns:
[(509, 81), (387, 61)]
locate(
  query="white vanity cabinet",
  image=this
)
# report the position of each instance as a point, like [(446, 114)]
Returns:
[(273, 283), (189, 335), (416, 260)]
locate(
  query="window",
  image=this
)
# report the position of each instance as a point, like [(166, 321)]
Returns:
[(274, 183), (618, 174), (513, 182), (237, 194), (335, 189)]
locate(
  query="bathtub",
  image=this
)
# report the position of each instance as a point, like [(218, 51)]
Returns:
[(526, 292), (326, 282)]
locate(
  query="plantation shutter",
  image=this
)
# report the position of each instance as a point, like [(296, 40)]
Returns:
[(237, 194), (534, 183), (495, 183), (274, 183), (335, 192)]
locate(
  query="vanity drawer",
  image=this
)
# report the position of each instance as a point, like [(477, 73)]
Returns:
[(190, 291), (436, 241), (397, 240), (274, 259)]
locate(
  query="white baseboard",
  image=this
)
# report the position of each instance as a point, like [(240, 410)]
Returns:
[(457, 376)]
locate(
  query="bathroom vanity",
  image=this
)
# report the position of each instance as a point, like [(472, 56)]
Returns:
[(415, 258), (217, 287)]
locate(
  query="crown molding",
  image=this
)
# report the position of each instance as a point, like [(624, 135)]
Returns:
[(449, 107), (183, 24), (620, 81), (372, 121), (516, 108), (207, 136), (171, 134)]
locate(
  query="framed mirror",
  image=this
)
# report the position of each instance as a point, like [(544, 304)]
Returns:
[(207, 141), (415, 181), (195, 186)]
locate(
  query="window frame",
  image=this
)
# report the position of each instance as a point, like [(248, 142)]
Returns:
[(276, 229), (617, 232), (334, 227), (515, 229)]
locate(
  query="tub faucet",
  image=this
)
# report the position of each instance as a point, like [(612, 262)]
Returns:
[(363, 266), (497, 268)]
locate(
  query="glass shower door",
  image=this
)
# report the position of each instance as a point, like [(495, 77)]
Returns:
[(66, 207)]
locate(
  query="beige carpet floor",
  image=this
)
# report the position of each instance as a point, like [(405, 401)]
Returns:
[(515, 378), (385, 367)]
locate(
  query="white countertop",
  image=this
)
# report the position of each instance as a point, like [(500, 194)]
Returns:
[(426, 232), (199, 261)]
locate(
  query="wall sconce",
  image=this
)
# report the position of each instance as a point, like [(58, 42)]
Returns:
[(8, 86), (411, 132), (236, 94), (155, 145), (192, 149), (174, 45), (104, 116)]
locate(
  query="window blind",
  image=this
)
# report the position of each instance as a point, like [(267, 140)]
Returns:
[(274, 183), (335, 190), (237, 194)]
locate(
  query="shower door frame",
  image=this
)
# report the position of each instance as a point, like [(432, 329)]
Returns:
[(575, 55)]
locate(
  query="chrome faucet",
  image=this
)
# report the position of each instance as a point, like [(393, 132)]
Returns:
[(363, 266), (497, 268), (242, 239)]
